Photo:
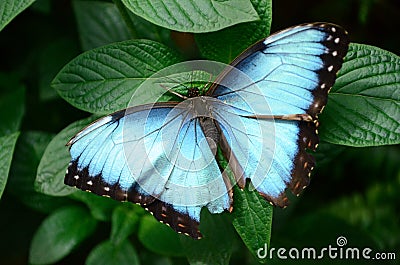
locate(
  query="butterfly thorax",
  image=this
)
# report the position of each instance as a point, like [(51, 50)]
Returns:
[(193, 92)]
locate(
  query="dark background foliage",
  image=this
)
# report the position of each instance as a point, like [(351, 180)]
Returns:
[(354, 191)]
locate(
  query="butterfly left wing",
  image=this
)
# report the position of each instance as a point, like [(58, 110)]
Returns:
[(290, 75), (153, 155)]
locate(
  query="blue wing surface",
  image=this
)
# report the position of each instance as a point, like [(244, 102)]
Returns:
[(156, 156), (290, 72)]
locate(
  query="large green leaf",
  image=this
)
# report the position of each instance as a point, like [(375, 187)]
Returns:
[(100, 207), (193, 16), (147, 30), (54, 163), (7, 144), (252, 214), (59, 234), (28, 152), (109, 254), (252, 219), (364, 104), (103, 80), (158, 237), (217, 244), (99, 23), (225, 45), (11, 112), (125, 220), (10, 9)]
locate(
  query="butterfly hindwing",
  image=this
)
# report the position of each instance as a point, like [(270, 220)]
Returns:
[(291, 72), (156, 156)]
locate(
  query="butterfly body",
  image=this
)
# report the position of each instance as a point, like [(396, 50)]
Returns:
[(162, 155)]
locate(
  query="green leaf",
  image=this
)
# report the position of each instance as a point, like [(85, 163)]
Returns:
[(59, 234), (28, 152), (103, 80), (7, 144), (50, 62), (54, 163), (159, 238), (10, 9), (12, 109), (141, 28), (225, 45), (217, 244), (252, 214), (147, 30), (147, 257), (252, 219), (99, 23), (42, 6), (100, 207), (193, 16), (364, 104), (108, 254), (125, 220)]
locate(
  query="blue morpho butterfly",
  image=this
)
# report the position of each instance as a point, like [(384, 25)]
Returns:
[(172, 171)]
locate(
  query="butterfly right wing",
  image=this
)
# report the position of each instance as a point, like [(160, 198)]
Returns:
[(290, 75), (155, 155)]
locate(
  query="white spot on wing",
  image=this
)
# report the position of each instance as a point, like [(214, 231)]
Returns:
[(76, 177)]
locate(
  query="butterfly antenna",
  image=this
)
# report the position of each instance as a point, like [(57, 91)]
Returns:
[(173, 92), (167, 88), (209, 82)]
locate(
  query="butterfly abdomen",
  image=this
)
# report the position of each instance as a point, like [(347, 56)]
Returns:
[(211, 132)]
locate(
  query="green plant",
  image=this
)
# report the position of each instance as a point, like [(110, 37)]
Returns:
[(125, 42)]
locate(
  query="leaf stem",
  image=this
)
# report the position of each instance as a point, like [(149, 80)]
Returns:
[(125, 16)]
